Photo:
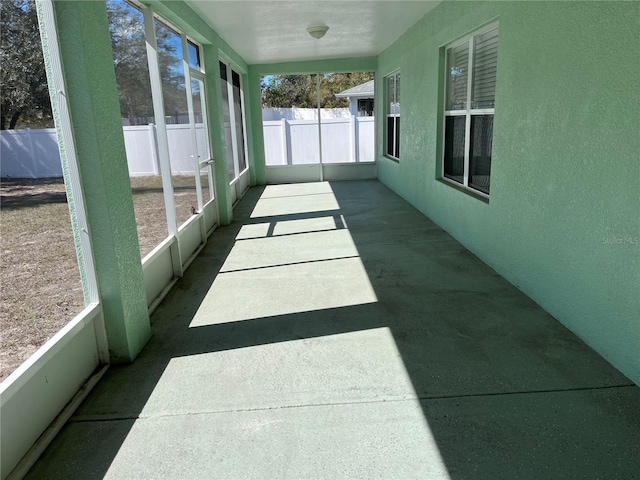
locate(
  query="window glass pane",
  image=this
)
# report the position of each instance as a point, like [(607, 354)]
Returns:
[(193, 51), (480, 152), (365, 108), (393, 83), (397, 97), (202, 137), (485, 66), (393, 120), (391, 93), (172, 73), (390, 134), (226, 113), (176, 112), (238, 110), (126, 26), (454, 148), (206, 189), (198, 107), (457, 74), (397, 138)]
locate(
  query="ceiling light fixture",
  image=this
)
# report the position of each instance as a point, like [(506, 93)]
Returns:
[(317, 31)]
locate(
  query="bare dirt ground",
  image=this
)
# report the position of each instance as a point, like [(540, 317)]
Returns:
[(40, 288)]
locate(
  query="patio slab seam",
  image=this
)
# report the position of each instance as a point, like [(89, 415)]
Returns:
[(419, 398)]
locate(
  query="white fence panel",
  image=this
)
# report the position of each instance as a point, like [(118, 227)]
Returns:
[(203, 148), (337, 141), (365, 133), (273, 114), (180, 149), (302, 142), (140, 144), (295, 142), (275, 142), (34, 153), (29, 153)]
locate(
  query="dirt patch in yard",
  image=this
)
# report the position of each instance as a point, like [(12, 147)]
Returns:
[(40, 288)]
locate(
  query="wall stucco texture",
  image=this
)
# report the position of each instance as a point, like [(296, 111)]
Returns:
[(563, 221)]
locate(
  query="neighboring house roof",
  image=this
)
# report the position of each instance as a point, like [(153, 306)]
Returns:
[(364, 90)]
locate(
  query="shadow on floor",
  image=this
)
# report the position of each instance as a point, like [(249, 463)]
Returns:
[(383, 348)]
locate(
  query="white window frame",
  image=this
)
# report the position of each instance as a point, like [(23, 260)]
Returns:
[(231, 68), (200, 164), (468, 112), (157, 95), (389, 114), (200, 66)]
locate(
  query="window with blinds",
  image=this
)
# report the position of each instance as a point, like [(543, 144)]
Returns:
[(485, 66), (393, 116), (471, 72)]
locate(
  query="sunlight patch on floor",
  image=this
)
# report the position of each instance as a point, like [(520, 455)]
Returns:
[(296, 189), (293, 264), (283, 290), (289, 227), (262, 365), (288, 250), (344, 398), (304, 198)]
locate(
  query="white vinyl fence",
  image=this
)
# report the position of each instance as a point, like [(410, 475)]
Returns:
[(29, 153), (295, 142), (295, 113), (34, 153)]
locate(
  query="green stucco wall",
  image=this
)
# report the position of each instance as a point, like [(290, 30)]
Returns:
[(563, 220)]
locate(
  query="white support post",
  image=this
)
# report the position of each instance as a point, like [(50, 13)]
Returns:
[(153, 143), (353, 139), (32, 154), (319, 127), (283, 137)]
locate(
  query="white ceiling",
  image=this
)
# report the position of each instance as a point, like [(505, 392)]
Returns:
[(272, 31)]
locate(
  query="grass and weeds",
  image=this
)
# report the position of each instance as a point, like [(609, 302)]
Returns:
[(39, 278)]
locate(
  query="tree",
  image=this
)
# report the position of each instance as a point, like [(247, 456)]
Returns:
[(126, 26), (285, 91), (130, 60), (24, 94), (333, 83)]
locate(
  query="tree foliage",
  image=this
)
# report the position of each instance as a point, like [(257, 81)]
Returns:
[(130, 60), (126, 26), (24, 96), (284, 91)]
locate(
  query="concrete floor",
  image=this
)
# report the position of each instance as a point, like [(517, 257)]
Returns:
[(334, 332)]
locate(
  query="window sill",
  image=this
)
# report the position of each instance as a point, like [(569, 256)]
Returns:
[(463, 189), (393, 159)]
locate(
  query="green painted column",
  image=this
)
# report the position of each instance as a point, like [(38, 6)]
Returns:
[(217, 132), (254, 112), (92, 95)]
